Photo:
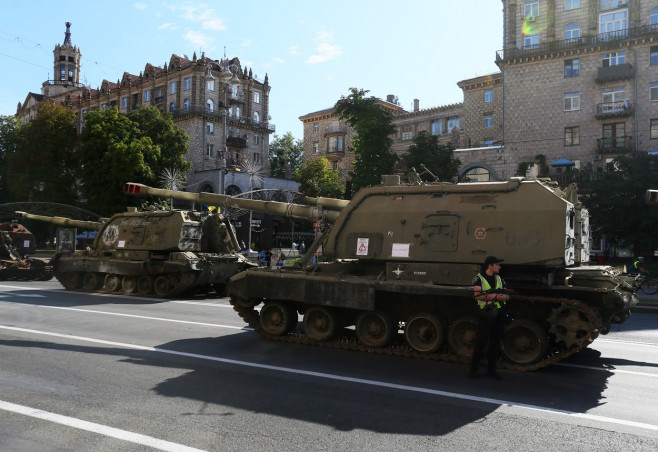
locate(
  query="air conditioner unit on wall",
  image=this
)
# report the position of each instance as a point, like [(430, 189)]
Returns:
[(597, 157)]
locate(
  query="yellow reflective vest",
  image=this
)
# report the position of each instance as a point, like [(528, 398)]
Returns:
[(486, 287)]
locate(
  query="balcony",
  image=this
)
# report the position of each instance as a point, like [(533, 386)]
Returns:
[(603, 40), (618, 109), (335, 130), (236, 142), (237, 98), (616, 145), (614, 73)]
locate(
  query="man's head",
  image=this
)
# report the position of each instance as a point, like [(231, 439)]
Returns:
[(493, 263), (641, 259)]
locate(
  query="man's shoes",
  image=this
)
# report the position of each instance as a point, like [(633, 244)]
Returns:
[(495, 375), (473, 374)]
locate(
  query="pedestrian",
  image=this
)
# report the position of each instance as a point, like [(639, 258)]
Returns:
[(489, 290), (242, 245), (280, 258), (268, 257), (261, 258), (302, 248)]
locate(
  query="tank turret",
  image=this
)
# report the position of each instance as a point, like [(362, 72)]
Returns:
[(399, 262), (160, 253)]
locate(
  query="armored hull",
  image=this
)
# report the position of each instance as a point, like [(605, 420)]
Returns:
[(16, 243)]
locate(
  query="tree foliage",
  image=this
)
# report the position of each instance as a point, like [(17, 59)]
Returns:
[(616, 202), (317, 178), (41, 162), (118, 148), (283, 152), (372, 144), (8, 131), (439, 159)]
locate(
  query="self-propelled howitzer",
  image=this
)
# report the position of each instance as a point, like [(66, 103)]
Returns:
[(161, 253), (401, 261)]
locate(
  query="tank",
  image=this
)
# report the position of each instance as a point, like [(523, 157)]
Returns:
[(156, 253), (399, 262), (16, 244)]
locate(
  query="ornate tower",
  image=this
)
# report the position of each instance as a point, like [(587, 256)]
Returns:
[(66, 67)]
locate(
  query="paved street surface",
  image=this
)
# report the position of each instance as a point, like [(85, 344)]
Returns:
[(105, 373)]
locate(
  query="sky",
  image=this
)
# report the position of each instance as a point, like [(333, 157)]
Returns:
[(313, 52)]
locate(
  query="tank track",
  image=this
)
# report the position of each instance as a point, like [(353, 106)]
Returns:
[(347, 340)]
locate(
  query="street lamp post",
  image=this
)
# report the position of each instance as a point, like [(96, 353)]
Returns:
[(228, 78)]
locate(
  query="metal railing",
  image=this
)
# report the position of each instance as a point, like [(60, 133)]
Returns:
[(615, 144)]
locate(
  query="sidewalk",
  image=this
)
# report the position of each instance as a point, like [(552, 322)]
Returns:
[(648, 303)]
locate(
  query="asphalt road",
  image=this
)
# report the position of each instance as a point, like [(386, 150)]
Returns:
[(97, 372)]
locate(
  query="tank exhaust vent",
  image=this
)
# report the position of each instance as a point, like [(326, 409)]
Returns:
[(390, 180)]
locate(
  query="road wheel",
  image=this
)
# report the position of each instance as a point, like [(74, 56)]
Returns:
[(461, 336), (374, 329), (112, 282), (144, 285), (277, 318), (71, 280), (129, 284), (320, 323), (92, 281), (424, 333), (161, 286), (524, 342)]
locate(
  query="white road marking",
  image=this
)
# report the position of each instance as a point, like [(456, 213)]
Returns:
[(63, 308), (383, 384), (96, 428)]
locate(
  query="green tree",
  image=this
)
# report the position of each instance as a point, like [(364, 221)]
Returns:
[(372, 144), (118, 148), (616, 202), (8, 144), (284, 151), (43, 162), (439, 159), (317, 178)]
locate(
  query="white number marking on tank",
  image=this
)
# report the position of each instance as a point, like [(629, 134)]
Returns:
[(110, 234)]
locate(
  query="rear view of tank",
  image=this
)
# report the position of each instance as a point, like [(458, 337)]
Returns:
[(401, 263), (16, 244), (161, 253)]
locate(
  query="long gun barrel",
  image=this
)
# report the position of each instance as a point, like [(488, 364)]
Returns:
[(323, 208), (61, 221)]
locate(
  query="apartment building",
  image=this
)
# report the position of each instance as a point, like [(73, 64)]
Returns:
[(221, 105), (580, 82)]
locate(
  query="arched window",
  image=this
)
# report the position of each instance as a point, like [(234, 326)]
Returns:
[(256, 116), (210, 105), (207, 188), (477, 174), (653, 18), (572, 32), (233, 190), (172, 107), (186, 104)]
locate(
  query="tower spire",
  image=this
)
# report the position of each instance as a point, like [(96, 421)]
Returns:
[(67, 35)]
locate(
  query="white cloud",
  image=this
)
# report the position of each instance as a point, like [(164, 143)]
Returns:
[(140, 6), (294, 50), (165, 26), (276, 60), (246, 43), (199, 40), (325, 50), (199, 13)]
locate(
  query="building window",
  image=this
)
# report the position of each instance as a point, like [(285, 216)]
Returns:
[(84, 113), (614, 58), (571, 101), (530, 41), (572, 32), (654, 129), (407, 133), (531, 9), (210, 106), (654, 55), (437, 126), (256, 138), (62, 71), (172, 88), (572, 68), (256, 116), (187, 83), (614, 135), (488, 95), (103, 107), (234, 91), (210, 85), (453, 122), (172, 107), (209, 150), (147, 95), (613, 24), (335, 165), (614, 95), (210, 128), (653, 91), (316, 147), (571, 4), (335, 144), (124, 102), (316, 127), (488, 121), (256, 97), (159, 95), (488, 143), (186, 104), (653, 18), (571, 136)]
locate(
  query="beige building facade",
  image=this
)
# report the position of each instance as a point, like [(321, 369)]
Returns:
[(221, 105)]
